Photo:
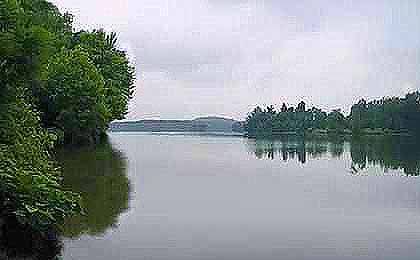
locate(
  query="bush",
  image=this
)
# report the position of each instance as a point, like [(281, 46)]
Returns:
[(29, 182)]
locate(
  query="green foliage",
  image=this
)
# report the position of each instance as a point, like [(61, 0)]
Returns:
[(260, 122), (387, 115), (35, 36), (398, 114), (75, 92), (113, 65), (336, 121), (72, 84), (85, 86), (268, 122), (410, 112), (29, 181), (30, 31)]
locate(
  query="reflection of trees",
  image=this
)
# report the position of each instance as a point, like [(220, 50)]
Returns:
[(385, 152), (291, 147), (336, 147), (388, 153), (99, 175)]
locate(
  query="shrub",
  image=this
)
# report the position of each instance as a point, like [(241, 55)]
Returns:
[(30, 186)]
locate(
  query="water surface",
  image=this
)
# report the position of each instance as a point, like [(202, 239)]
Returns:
[(224, 197)]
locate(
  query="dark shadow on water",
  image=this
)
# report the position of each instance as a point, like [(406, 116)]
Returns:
[(19, 242), (387, 152), (390, 153), (99, 175)]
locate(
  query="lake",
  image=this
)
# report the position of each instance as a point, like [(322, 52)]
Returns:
[(175, 196)]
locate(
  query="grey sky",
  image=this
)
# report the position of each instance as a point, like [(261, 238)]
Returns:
[(223, 57)]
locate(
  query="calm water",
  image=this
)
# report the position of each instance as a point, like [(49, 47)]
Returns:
[(219, 197)]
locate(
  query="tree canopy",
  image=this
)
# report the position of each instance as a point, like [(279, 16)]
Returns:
[(394, 113), (387, 115), (73, 96), (52, 80)]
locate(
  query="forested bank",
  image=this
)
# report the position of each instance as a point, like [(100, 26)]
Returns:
[(384, 116), (56, 85)]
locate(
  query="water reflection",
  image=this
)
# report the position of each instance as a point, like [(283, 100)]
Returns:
[(291, 147), (208, 198), (99, 175), (389, 153)]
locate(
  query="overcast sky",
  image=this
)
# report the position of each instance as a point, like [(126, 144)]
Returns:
[(223, 57)]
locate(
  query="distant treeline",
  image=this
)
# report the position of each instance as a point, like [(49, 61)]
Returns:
[(387, 115)]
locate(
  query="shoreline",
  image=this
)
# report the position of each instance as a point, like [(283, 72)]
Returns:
[(345, 133), (315, 133)]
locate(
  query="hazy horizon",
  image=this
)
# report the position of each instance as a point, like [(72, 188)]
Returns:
[(205, 58), (186, 119)]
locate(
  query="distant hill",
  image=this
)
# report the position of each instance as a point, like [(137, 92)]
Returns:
[(201, 124), (216, 124)]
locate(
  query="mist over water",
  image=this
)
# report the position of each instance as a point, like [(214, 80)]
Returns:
[(223, 197)]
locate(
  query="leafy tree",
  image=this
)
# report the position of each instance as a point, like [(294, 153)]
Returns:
[(382, 115), (358, 116), (78, 86), (301, 117), (269, 122), (29, 182), (317, 118), (255, 121), (113, 65), (410, 112), (31, 31), (398, 114), (86, 85), (336, 120), (75, 94)]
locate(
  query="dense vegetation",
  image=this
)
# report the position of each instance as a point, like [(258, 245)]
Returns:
[(388, 113), (54, 84), (378, 116)]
